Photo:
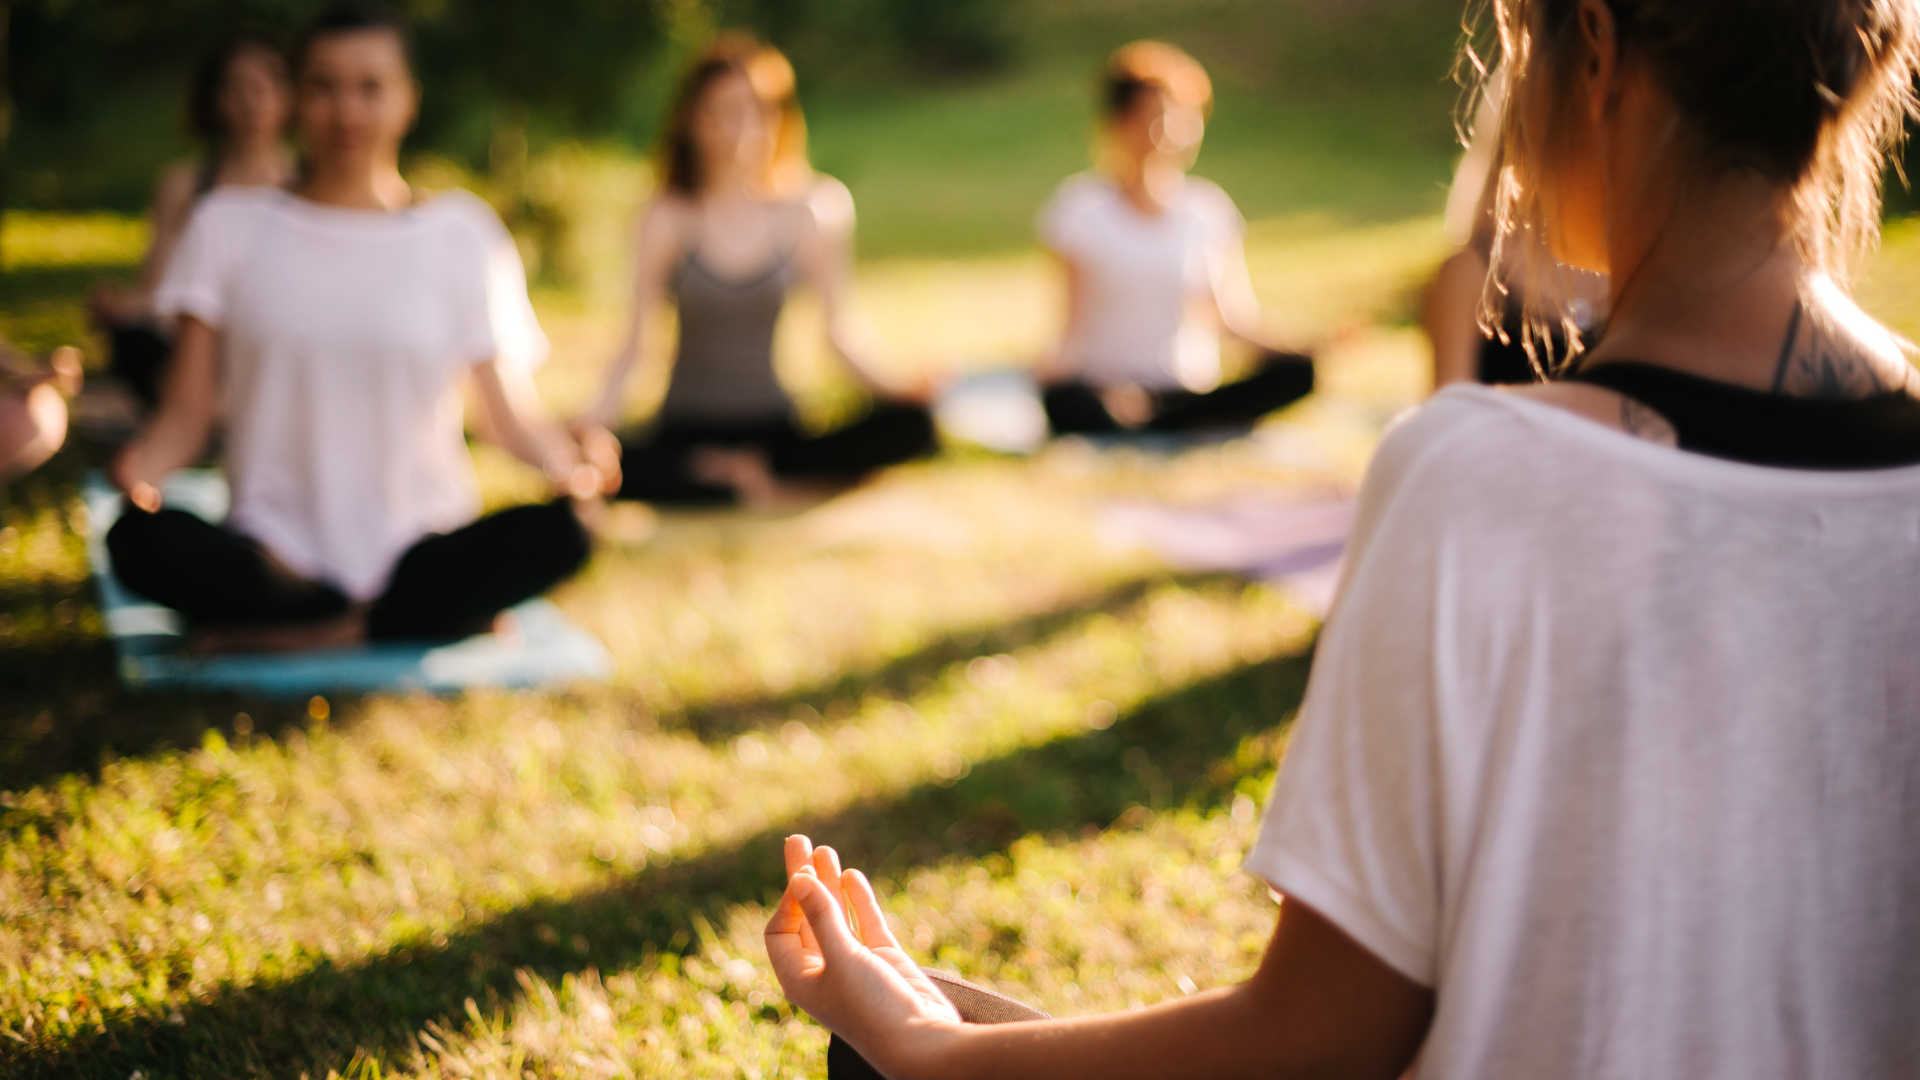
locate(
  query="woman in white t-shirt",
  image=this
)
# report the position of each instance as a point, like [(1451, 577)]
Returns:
[(1609, 764), (1155, 268), (332, 329)]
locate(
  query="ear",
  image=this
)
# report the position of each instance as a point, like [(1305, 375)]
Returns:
[(1600, 57)]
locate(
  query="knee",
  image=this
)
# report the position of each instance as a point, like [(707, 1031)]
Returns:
[(910, 425), (142, 546), (568, 537), (131, 536)]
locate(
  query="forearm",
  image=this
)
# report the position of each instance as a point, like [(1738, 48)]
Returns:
[(189, 406), (858, 346), (175, 439), (537, 441), (619, 374), (1213, 1034)]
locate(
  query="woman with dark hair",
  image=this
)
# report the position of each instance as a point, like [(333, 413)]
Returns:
[(1155, 269), (1609, 764), (237, 109), (741, 220), (332, 329)]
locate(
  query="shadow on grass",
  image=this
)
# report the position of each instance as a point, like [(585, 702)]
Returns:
[(63, 708), (912, 674), (1179, 750)]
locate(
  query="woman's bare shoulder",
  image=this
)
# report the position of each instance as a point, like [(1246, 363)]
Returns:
[(1602, 406), (176, 184), (831, 204)]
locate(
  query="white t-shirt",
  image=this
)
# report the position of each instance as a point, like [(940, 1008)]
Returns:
[(346, 336), (1617, 748), (1140, 275)]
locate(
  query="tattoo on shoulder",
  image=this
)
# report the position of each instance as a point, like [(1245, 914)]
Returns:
[(1817, 363), (1644, 423)]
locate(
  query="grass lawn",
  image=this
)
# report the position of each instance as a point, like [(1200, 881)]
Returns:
[(1050, 752)]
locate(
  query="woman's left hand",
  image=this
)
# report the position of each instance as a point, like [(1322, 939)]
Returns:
[(601, 449), (853, 978)]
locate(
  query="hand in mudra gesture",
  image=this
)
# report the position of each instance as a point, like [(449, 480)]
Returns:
[(853, 976)]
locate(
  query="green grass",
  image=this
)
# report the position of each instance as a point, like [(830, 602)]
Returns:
[(1048, 750)]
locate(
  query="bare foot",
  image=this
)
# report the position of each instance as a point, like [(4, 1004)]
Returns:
[(348, 629), (1130, 406), (745, 471)]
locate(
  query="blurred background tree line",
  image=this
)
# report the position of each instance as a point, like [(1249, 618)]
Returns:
[(950, 118), (99, 81)]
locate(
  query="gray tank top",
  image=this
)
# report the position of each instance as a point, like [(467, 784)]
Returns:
[(724, 369)]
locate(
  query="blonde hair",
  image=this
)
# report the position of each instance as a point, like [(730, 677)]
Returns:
[(1810, 95)]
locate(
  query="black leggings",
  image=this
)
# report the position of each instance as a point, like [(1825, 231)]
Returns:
[(446, 586), (1075, 408), (656, 467)]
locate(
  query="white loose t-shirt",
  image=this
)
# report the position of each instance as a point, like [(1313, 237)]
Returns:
[(1617, 748), (345, 338), (1140, 274)]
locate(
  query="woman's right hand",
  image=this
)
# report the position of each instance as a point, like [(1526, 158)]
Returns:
[(857, 981), (130, 473)]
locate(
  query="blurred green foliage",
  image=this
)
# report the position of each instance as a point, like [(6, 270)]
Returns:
[(97, 83)]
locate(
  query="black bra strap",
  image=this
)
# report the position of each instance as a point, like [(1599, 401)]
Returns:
[(1733, 422)]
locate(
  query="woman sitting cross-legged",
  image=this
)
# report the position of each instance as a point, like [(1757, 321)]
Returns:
[(238, 109), (332, 329), (1156, 267), (741, 221), (1609, 762)]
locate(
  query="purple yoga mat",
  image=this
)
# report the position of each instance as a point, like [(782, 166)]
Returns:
[(1292, 538)]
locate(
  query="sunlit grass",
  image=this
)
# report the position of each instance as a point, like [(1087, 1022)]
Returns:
[(1048, 750), (41, 241), (924, 672)]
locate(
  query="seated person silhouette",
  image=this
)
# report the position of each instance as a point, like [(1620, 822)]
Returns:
[(1155, 268), (332, 329), (742, 221), (237, 107)]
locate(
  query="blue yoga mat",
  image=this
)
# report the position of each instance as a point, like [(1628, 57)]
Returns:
[(548, 651)]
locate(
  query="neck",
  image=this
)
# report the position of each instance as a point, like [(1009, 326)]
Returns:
[(726, 181), (1150, 182), (259, 161), (1706, 282), (375, 185)]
